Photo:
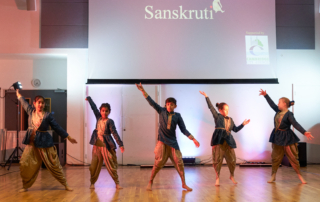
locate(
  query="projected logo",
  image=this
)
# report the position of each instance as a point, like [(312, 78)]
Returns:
[(217, 6), (257, 50), (183, 14)]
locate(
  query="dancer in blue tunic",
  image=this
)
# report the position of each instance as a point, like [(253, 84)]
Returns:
[(40, 147), (222, 141), (283, 139), (167, 146), (104, 147)]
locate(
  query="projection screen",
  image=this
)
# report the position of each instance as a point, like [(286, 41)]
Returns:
[(182, 39)]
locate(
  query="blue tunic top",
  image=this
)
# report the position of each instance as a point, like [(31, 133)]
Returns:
[(165, 135), (42, 139), (284, 136), (109, 129), (221, 133)]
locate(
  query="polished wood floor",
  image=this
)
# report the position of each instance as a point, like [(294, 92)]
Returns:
[(252, 185)]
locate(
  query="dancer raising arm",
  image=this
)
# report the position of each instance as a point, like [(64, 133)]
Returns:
[(167, 146), (104, 148), (222, 141), (283, 139), (40, 147)]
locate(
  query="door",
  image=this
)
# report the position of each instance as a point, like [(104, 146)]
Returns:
[(140, 125)]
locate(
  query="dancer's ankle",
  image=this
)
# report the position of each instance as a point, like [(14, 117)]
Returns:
[(301, 179), (23, 190), (185, 186), (273, 178)]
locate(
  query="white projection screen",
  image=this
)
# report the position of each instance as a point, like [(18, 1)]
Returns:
[(182, 39)]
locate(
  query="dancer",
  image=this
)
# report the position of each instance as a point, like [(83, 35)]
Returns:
[(167, 145), (39, 143), (222, 141), (283, 139), (104, 148)]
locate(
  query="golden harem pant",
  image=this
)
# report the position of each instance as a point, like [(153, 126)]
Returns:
[(31, 160), (291, 152), (223, 151), (100, 153), (162, 153)]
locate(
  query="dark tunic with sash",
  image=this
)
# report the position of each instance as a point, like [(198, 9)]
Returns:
[(167, 128), (42, 138), (109, 129), (282, 134), (222, 132)]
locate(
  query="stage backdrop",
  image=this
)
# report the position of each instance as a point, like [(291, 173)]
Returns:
[(181, 39)]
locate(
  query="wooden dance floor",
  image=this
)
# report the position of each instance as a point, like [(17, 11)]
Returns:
[(252, 185)]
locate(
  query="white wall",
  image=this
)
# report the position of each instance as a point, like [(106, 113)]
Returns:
[(20, 35), (52, 71)]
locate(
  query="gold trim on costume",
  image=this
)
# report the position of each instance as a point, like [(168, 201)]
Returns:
[(169, 121)]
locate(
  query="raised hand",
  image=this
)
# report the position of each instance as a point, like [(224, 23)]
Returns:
[(140, 87), (246, 122), (196, 143), (203, 93), (18, 94), (308, 135), (262, 92), (73, 141), (122, 149)]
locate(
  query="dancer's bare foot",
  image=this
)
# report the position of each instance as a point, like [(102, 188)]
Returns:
[(217, 181), (233, 180), (92, 186), (68, 188), (149, 187), (186, 187), (119, 187), (23, 190), (273, 178), (301, 179)]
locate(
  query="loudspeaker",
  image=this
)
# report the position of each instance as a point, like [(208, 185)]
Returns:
[(302, 149), (60, 152), (189, 160), (31, 5)]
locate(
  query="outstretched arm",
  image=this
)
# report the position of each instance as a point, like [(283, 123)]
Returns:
[(238, 128), (153, 104), (297, 126), (212, 109), (58, 129), (115, 135), (93, 107), (269, 100), (26, 106), (184, 130)]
